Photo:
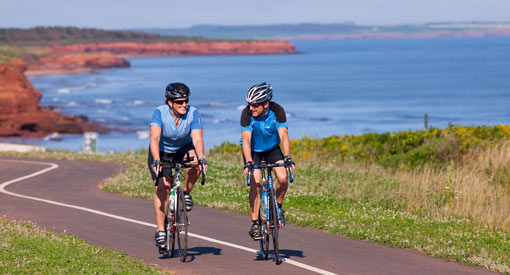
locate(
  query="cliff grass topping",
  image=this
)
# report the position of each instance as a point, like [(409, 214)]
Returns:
[(70, 35)]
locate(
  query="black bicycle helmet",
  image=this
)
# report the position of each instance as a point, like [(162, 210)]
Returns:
[(259, 93), (176, 90)]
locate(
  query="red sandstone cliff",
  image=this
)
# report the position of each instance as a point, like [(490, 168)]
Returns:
[(131, 49), (74, 63), (20, 113), (87, 57)]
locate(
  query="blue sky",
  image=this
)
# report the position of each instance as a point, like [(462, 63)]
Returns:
[(119, 14)]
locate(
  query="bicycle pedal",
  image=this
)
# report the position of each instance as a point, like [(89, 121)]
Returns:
[(162, 250)]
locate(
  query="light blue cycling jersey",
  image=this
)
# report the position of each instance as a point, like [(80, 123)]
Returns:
[(264, 128), (172, 137)]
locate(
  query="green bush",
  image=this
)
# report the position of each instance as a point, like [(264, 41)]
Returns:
[(408, 148)]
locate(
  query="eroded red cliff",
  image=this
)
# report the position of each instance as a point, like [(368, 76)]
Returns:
[(20, 113), (74, 63), (131, 49)]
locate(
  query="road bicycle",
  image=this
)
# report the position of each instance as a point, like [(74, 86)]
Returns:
[(176, 217), (269, 214)]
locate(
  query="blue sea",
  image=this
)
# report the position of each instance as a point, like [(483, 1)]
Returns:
[(330, 87)]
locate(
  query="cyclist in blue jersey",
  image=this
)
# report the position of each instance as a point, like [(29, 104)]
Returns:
[(175, 131), (264, 129)]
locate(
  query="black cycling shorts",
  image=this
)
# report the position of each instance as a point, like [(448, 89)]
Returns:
[(169, 158), (271, 156)]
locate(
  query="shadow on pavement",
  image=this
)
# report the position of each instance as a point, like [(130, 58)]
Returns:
[(201, 250), (288, 253), (284, 253), (195, 251)]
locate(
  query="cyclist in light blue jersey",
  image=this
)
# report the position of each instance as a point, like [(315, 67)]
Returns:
[(263, 130), (175, 132)]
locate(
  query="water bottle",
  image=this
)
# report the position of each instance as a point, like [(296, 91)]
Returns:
[(172, 202), (264, 200)]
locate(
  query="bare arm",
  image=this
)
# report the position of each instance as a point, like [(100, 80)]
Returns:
[(155, 134), (246, 137), (198, 142), (284, 138)]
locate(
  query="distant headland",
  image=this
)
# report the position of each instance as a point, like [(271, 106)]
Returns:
[(69, 50), (348, 30)]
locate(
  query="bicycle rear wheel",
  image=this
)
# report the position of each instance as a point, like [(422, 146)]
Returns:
[(274, 225), (182, 225)]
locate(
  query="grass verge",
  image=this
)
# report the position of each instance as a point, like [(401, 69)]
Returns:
[(27, 249)]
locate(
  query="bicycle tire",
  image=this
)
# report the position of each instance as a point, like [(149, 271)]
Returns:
[(274, 225), (264, 241), (170, 236), (182, 226)]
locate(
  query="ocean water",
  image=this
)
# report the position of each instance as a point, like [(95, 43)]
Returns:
[(331, 87)]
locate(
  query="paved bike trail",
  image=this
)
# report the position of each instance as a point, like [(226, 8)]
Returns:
[(219, 243)]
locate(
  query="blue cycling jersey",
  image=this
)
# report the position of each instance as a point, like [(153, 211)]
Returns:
[(264, 128), (172, 137)]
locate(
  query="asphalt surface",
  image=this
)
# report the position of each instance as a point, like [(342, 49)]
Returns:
[(218, 242)]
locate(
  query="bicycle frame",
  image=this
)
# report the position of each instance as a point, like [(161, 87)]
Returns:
[(176, 218), (269, 215)]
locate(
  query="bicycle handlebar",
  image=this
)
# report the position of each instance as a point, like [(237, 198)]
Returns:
[(257, 166), (182, 166)]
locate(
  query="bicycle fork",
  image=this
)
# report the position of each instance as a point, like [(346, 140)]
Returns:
[(275, 202), (172, 204)]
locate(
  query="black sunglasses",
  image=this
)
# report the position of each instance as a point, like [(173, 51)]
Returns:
[(180, 102), (254, 105)]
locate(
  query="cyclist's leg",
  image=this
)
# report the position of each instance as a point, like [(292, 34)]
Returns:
[(162, 191), (161, 202), (255, 186), (255, 194), (276, 156), (192, 174), (254, 197)]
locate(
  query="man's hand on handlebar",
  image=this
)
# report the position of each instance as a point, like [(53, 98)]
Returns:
[(248, 167), (289, 163), (204, 164)]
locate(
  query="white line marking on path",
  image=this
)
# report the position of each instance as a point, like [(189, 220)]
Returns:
[(54, 166)]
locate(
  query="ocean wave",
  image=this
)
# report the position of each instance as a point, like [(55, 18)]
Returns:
[(64, 91), (240, 107), (135, 103), (219, 104), (104, 101), (73, 103), (53, 137), (219, 120), (57, 99), (143, 134)]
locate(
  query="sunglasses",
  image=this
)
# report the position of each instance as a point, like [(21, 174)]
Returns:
[(180, 102), (254, 105)]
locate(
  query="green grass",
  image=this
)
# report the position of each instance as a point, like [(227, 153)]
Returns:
[(26, 249), (346, 185)]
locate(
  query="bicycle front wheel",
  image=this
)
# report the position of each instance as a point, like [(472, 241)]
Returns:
[(274, 224), (170, 234), (264, 241), (181, 219)]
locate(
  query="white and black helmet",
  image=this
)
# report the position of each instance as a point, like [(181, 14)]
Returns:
[(176, 90), (259, 93)]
